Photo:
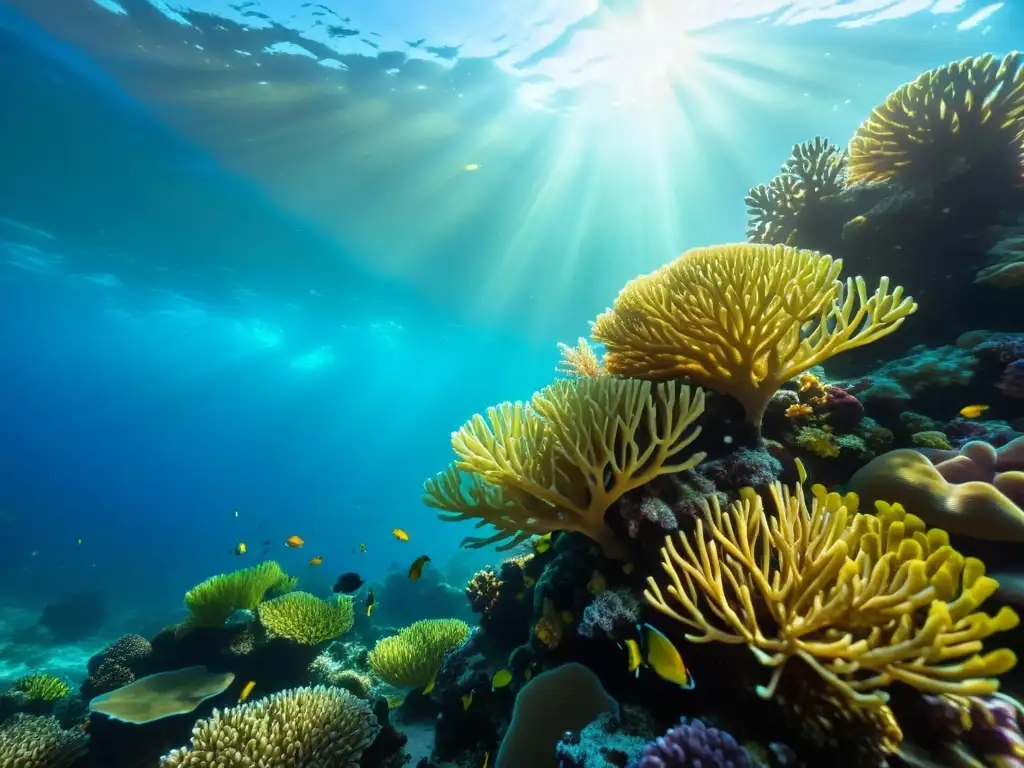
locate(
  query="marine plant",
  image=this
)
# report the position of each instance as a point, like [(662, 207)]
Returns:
[(777, 210), (966, 114), (864, 600), (305, 618), (29, 741), (412, 658), (558, 462), (211, 602), (581, 360), (744, 319), (42, 687), (298, 727)]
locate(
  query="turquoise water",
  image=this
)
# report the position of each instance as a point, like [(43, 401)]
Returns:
[(265, 257)]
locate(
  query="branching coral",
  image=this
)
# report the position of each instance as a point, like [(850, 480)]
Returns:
[(744, 319), (307, 619), (814, 170), (966, 114), (579, 361), (864, 599), (558, 463), (314, 727), (27, 741), (211, 602), (412, 658)]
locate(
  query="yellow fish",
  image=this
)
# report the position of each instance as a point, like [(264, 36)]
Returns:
[(467, 700), (487, 757), (634, 659), (294, 542), (246, 691), (471, 167), (241, 549), (501, 678), (973, 411), (542, 544), (399, 534), (370, 604), (416, 569), (664, 659), (317, 560), (430, 685)]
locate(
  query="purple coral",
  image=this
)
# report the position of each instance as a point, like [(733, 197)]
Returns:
[(692, 744), (992, 727), (609, 613), (842, 410)]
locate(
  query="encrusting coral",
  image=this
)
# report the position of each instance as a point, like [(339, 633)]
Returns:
[(28, 741), (863, 599), (559, 462), (412, 658), (305, 618), (966, 114), (744, 319), (307, 727)]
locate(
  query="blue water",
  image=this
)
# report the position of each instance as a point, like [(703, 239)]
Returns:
[(232, 279)]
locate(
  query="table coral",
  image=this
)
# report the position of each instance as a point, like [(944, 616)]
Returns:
[(863, 599), (744, 319)]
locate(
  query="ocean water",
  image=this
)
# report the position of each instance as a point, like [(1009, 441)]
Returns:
[(259, 260)]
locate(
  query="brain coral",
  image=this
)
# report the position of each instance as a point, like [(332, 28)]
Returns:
[(977, 491), (299, 728)]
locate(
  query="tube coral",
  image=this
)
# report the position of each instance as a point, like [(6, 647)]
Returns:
[(863, 599), (744, 319)]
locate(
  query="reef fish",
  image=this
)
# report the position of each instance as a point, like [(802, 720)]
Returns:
[(399, 534), (241, 549), (542, 544), (664, 658), (467, 700), (416, 569), (634, 659), (294, 542), (973, 411), (348, 582), (370, 603), (246, 691), (501, 678), (316, 560)]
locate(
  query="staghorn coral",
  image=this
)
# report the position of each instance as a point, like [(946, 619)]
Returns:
[(28, 741), (412, 658), (966, 114), (579, 361), (305, 618), (298, 728), (483, 590), (42, 687), (211, 602), (863, 599), (558, 463), (814, 170), (744, 319)]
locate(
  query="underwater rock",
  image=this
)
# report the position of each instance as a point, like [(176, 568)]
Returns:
[(117, 665)]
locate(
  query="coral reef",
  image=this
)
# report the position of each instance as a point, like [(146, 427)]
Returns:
[(28, 741), (412, 658), (305, 618), (214, 600), (692, 744)]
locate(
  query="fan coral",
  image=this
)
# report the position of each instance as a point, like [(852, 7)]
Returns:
[(308, 727), (27, 741), (211, 602), (814, 170), (42, 687), (864, 600), (977, 491), (558, 463), (966, 114), (483, 590), (580, 361), (743, 319), (692, 744), (412, 658), (306, 618)]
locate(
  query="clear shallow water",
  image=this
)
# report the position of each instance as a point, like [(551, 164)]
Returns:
[(267, 256)]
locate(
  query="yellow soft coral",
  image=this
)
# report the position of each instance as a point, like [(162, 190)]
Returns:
[(966, 114), (558, 463), (743, 319), (212, 601), (864, 600), (412, 658), (307, 619), (580, 360)]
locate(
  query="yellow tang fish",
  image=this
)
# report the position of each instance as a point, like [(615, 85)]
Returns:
[(973, 411), (416, 569), (664, 659), (370, 604), (431, 684), (241, 549), (467, 700), (542, 544), (317, 560), (501, 678), (634, 659), (246, 691), (399, 534), (294, 542)]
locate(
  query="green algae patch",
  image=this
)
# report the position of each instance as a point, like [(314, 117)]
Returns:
[(164, 694)]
